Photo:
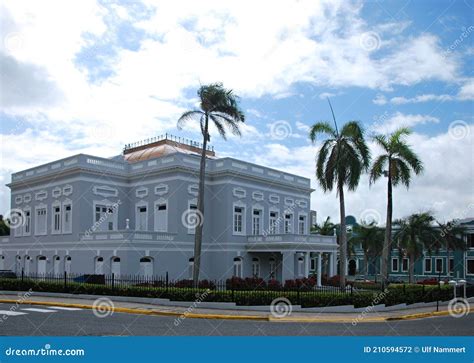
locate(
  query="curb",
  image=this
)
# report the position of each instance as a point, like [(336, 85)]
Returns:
[(268, 318)]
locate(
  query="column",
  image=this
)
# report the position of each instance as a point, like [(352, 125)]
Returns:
[(306, 264), (333, 264), (287, 266), (319, 269)]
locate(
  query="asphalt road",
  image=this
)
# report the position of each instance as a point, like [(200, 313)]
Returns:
[(52, 321)]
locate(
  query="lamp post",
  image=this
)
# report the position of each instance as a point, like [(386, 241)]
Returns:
[(463, 282), (453, 284)]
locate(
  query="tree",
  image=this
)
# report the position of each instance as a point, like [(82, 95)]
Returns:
[(451, 237), (341, 160), (415, 234), (368, 237), (324, 229), (218, 106), (4, 226), (396, 163)]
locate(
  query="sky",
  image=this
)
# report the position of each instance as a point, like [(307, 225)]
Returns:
[(90, 76)]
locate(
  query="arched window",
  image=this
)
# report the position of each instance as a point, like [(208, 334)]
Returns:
[(238, 267), (146, 267), (255, 267), (190, 268), (18, 265)]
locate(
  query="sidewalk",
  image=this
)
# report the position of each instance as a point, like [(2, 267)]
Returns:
[(193, 310)]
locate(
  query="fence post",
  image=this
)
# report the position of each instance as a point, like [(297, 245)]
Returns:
[(298, 297), (352, 289), (113, 281), (22, 275), (65, 281), (232, 288), (167, 281)]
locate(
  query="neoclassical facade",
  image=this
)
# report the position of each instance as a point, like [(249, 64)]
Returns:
[(136, 214)]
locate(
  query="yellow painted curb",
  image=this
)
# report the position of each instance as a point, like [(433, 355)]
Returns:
[(141, 311), (422, 315)]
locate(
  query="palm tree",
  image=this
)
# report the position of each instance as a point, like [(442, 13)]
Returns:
[(341, 160), (396, 163), (324, 229), (452, 238), (368, 237), (415, 234), (219, 106)]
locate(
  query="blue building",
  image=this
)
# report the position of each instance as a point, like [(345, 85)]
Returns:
[(136, 214)]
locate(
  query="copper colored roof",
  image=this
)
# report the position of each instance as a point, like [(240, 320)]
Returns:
[(161, 148)]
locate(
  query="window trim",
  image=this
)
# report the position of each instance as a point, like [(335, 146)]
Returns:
[(191, 202), (305, 230), (408, 264), (24, 233), (292, 224), (261, 217), (66, 203), (108, 204), (467, 266), (238, 267), (277, 225), (54, 205), (244, 218), (398, 264), (38, 207), (256, 266), (139, 205), (157, 203), (436, 264), (425, 271)]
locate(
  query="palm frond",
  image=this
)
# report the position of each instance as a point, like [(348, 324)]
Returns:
[(322, 127)]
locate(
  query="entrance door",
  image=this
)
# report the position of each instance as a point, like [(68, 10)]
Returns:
[(115, 267), (57, 261), (352, 267), (146, 267), (41, 265), (27, 265), (99, 266)]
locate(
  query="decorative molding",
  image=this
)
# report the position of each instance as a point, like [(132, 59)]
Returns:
[(273, 198), (161, 189), (239, 193), (302, 203), (141, 192), (67, 190), (193, 189), (41, 195), (27, 198), (56, 192), (289, 201), (105, 191), (258, 196), (19, 199)]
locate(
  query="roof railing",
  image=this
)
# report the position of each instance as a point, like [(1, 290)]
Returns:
[(180, 140)]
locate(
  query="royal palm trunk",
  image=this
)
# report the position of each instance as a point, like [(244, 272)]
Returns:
[(387, 244), (343, 240), (200, 208)]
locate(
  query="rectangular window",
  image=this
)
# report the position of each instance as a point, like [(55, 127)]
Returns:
[(27, 225), (40, 223), (67, 218), (142, 217), (404, 264), (302, 225), (238, 219), (288, 223), (427, 264), (18, 230), (192, 218), (56, 219), (104, 218), (312, 264), (470, 240), (470, 267), (273, 222), (394, 264), (161, 218), (451, 264), (439, 265), (256, 222)]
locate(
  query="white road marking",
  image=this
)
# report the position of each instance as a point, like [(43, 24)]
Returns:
[(40, 310), (64, 308), (11, 313)]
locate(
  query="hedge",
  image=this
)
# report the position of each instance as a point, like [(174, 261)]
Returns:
[(395, 294)]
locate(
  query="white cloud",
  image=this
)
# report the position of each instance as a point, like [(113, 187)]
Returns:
[(467, 90), (380, 100), (387, 124), (421, 98)]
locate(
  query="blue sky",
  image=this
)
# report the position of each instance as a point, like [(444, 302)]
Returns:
[(91, 76)]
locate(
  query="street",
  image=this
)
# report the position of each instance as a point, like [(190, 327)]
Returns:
[(59, 321)]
